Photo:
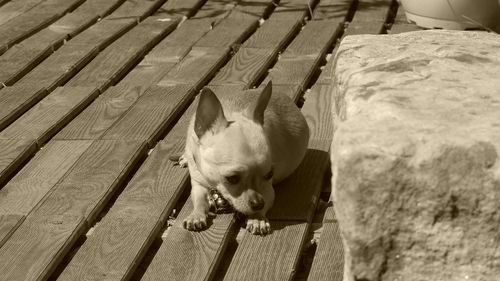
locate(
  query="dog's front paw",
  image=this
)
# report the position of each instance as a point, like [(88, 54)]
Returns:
[(196, 221), (258, 225)]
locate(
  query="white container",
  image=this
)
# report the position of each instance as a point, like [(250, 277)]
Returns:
[(453, 14)]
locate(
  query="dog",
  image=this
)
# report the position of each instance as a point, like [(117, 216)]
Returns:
[(241, 147)]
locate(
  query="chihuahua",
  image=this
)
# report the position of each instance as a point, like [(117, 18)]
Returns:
[(241, 146)]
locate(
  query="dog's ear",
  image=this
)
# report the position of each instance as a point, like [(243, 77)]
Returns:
[(209, 114), (256, 110)]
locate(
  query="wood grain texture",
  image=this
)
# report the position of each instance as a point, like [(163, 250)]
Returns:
[(136, 9), (188, 255), (135, 219), (332, 9), (252, 9), (315, 39), (177, 44), (401, 23), (47, 117), (215, 10), (272, 257), (228, 32), (37, 246), (297, 196), (61, 66), (98, 7), (328, 263), (246, 67), (12, 154), (326, 76), (8, 224), (152, 114), (13, 8), (294, 70), (199, 65), (291, 9), (96, 175), (180, 8), (27, 188), (110, 253), (274, 34), (33, 20), (370, 17), (102, 113), (318, 110), (103, 32), (147, 73), (20, 59), (113, 62), (16, 100)]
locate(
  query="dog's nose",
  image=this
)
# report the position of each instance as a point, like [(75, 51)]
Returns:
[(257, 203)]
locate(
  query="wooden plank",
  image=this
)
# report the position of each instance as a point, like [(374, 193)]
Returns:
[(152, 114), (215, 10), (103, 33), (180, 8), (292, 9), (199, 65), (227, 33), (24, 25), (332, 10), (37, 246), (136, 9), (12, 154), (140, 211), (401, 23), (94, 178), (106, 110), (177, 44), (16, 100), (16, 7), (297, 196), (370, 17), (61, 66), (189, 255), (272, 257), (246, 67), (274, 34), (328, 263), (47, 117), (252, 9), (23, 57), (294, 70), (66, 212), (317, 110), (25, 190), (135, 219), (19, 60), (326, 76), (98, 7), (113, 63), (8, 224), (315, 39)]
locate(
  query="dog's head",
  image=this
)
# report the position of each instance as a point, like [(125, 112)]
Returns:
[(234, 155)]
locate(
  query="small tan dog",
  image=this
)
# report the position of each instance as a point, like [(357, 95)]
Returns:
[(240, 147)]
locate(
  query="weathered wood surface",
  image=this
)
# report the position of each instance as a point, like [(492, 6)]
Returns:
[(90, 167), (401, 24), (371, 17), (21, 58), (25, 24)]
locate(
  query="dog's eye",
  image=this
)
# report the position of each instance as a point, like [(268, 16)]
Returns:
[(234, 179), (269, 175)]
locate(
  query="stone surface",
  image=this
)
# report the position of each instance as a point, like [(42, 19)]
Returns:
[(416, 174)]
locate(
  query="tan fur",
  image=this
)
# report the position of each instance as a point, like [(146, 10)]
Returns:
[(238, 145)]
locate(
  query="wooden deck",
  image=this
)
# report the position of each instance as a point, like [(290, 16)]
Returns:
[(95, 96)]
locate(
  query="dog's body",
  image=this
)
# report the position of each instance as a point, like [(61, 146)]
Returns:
[(241, 146)]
